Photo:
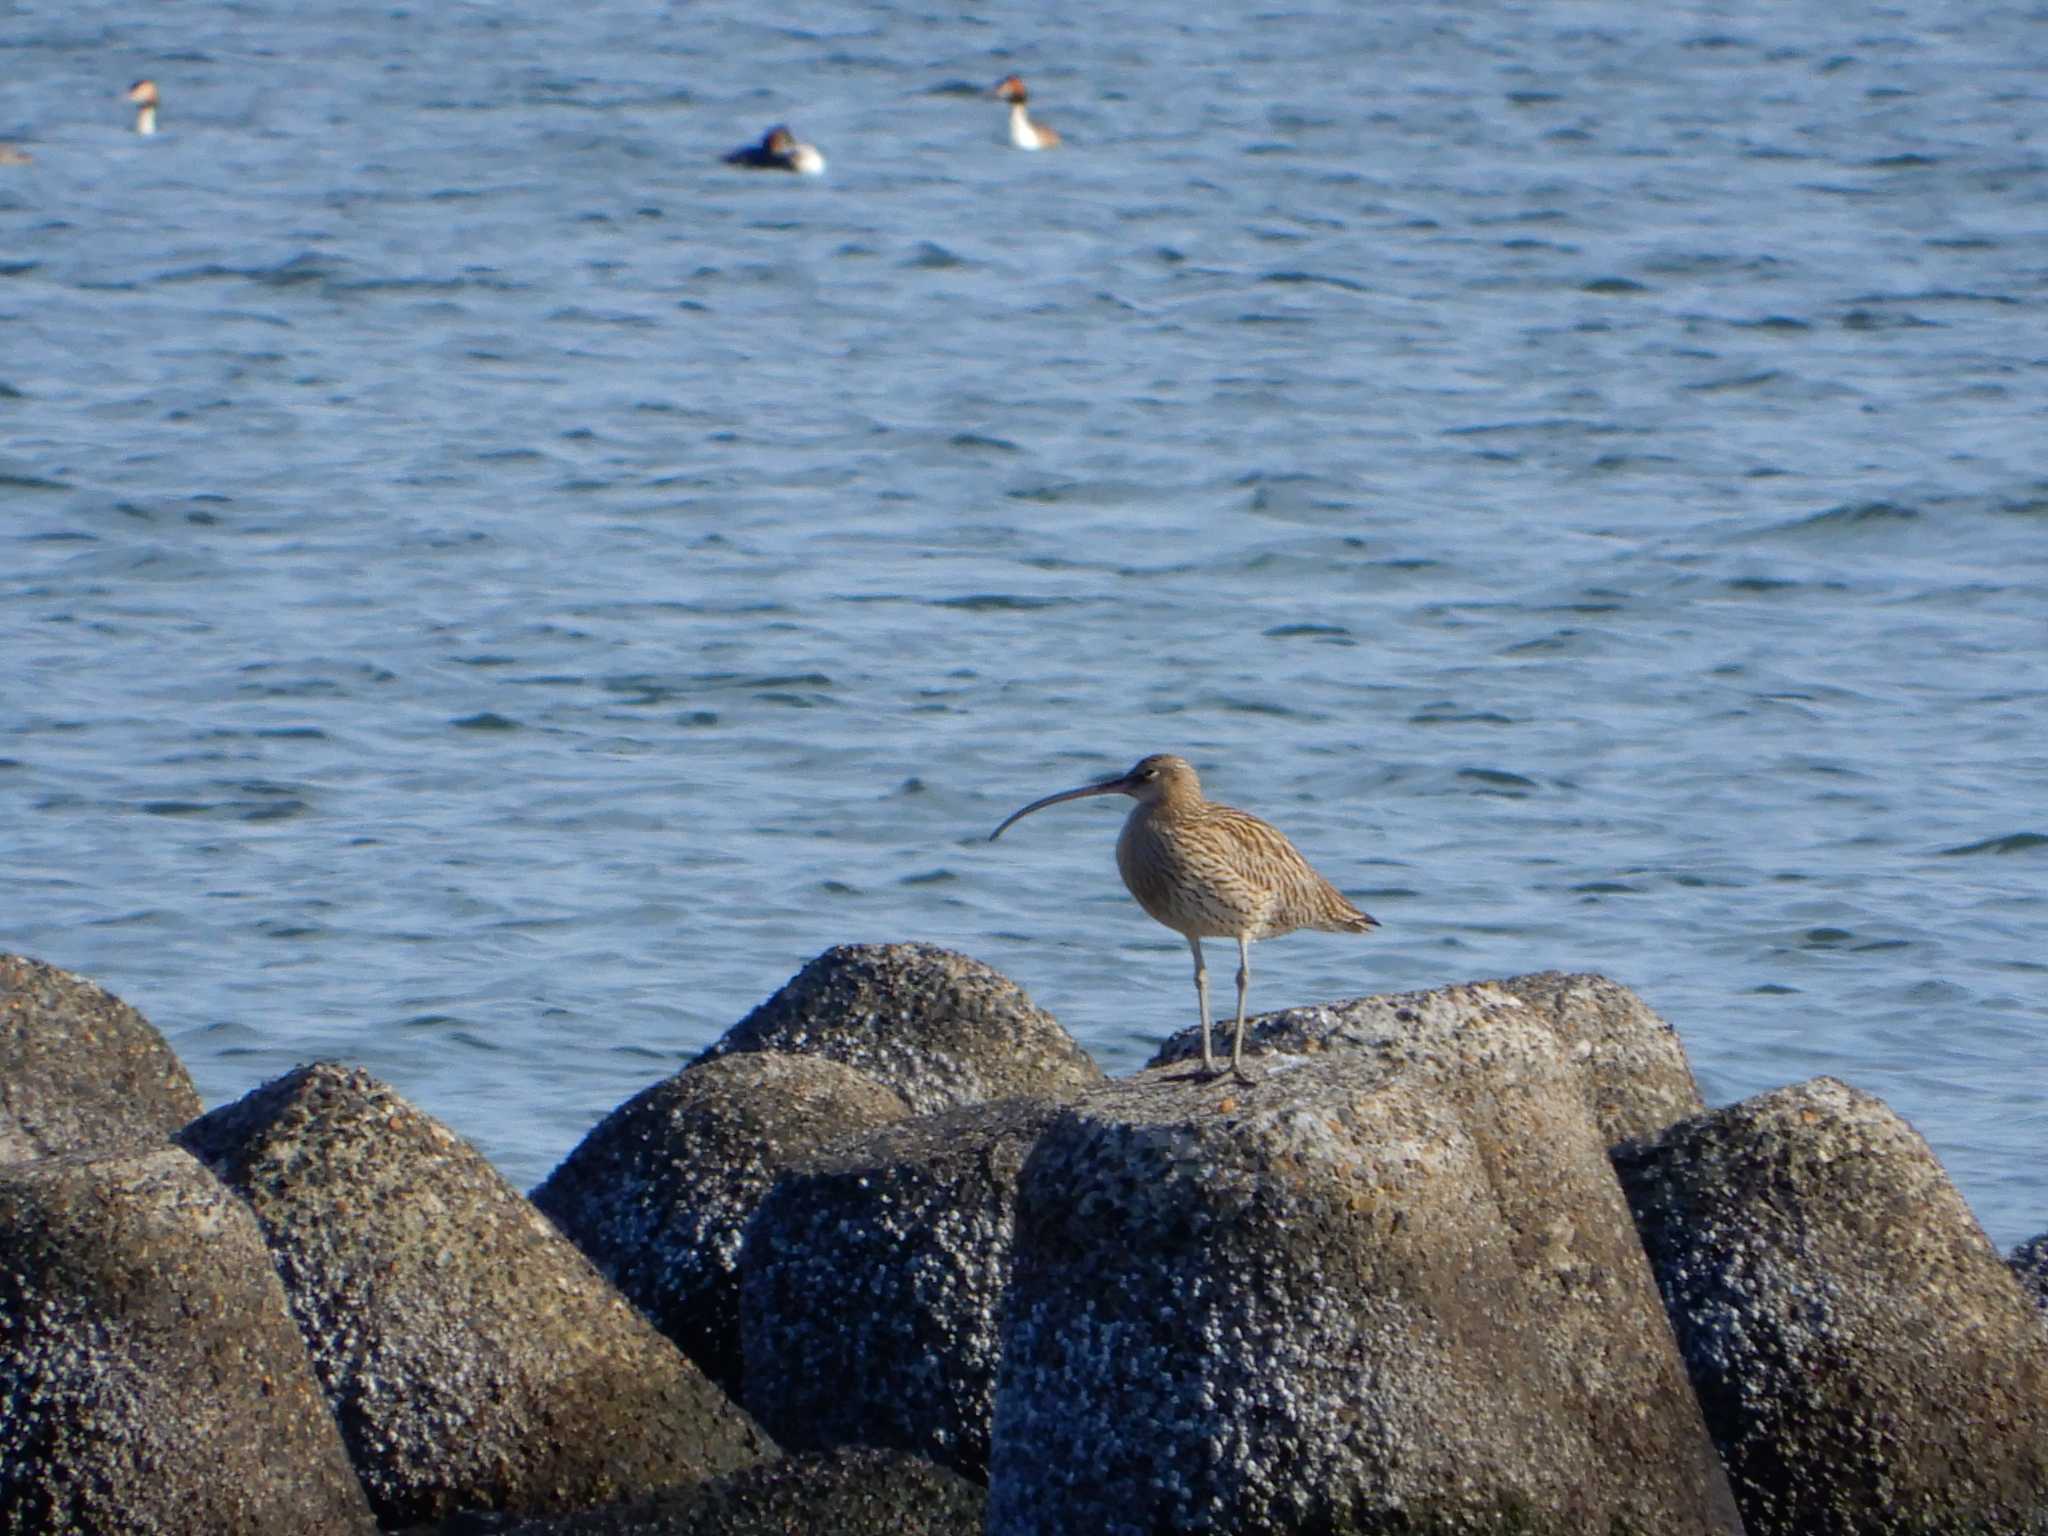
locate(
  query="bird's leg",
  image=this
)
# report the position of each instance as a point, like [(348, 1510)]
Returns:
[(1244, 981), (1202, 997)]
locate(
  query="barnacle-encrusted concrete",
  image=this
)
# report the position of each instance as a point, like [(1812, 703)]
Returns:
[(474, 1358), (853, 1491), (79, 1068), (1866, 1361), (151, 1381), (873, 1284), (659, 1194), (939, 1028), (2030, 1262), (1390, 1290), (1631, 1066)]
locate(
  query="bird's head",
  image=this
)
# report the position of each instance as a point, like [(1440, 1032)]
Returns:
[(1162, 776)]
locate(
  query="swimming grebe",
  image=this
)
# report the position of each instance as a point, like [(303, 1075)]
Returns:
[(143, 94), (1024, 133), (9, 155), (780, 150)]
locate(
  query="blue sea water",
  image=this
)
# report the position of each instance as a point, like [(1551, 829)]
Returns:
[(489, 591)]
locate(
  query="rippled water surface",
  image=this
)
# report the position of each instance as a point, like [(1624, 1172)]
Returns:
[(488, 590)]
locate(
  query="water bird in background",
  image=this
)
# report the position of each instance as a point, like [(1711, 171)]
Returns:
[(1208, 871), (10, 155), (1024, 133), (780, 150), (143, 94)]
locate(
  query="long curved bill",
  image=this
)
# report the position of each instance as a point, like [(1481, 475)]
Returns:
[(1113, 786)]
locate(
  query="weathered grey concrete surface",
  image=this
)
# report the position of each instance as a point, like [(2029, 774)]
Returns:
[(151, 1381), (939, 1028), (873, 1283), (79, 1068), (853, 1491), (474, 1358), (1865, 1360), (660, 1193), (1378, 1291), (1633, 1070)]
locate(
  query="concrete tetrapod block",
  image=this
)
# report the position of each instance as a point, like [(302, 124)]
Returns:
[(1865, 1360), (151, 1381), (1369, 1293), (79, 1068), (659, 1194), (474, 1358), (852, 1491), (873, 1283), (1634, 1071), (938, 1027)]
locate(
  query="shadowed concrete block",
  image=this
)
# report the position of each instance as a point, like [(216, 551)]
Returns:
[(1633, 1070), (474, 1358), (151, 1381), (1865, 1360), (79, 1068), (854, 1491), (939, 1028), (874, 1279), (660, 1193), (2029, 1261), (1380, 1290)]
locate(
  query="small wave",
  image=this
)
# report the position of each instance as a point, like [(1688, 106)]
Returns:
[(275, 810), (577, 314), (1760, 585), (1498, 781), (2012, 842), (1736, 381), (1447, 714), (1563, 425), (999, 602), (933, 257), (485, 720), (1858, 515), (1335, 632), (751, 681), (1315, 279), (24, 482), (1266, 707), (976, 440), (1614, 285)]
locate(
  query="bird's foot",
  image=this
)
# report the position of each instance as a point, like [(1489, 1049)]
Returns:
[(1244, 1074)]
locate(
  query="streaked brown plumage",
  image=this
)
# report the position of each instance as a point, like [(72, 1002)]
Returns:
[(1208, 871)]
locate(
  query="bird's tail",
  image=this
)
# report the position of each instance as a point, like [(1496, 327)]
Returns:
[(1350, 920)]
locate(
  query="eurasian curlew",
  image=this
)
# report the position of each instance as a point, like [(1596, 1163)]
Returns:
[(1208, 871)]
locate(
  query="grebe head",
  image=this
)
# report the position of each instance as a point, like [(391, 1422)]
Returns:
[(780, 141), (143, 94), (1011, 88)]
